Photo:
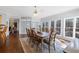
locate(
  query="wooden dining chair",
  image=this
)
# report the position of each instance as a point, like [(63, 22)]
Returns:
[(37, 41), (28, 35), (3, 35), (50, 41)]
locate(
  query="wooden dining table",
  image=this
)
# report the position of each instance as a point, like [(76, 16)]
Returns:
[(43, 34)]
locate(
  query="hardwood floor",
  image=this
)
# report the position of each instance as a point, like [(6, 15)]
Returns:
[(12, 45), (16, 44), (26, 46)]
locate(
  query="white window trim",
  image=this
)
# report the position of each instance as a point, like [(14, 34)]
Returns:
[(60, 27), (73, 26), (63, 23)]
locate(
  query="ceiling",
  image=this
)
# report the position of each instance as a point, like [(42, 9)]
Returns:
[(43, 11)]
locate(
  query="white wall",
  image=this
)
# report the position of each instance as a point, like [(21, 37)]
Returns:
[(25, 23)]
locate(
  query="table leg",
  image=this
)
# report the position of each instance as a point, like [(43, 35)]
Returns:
[(49, 47), (41, 45), (54, 46)]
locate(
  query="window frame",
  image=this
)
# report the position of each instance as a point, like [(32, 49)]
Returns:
[(72, 28), (75, 25), (58, 27), (53, 24)]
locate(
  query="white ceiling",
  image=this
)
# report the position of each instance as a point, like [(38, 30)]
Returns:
[(43, 11)]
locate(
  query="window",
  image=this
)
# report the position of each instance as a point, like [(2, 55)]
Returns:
[(77, 28), (24, 25), (58, 26), (69, 27), (52, 24), (45, 26)]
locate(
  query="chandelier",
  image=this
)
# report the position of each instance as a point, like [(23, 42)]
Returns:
[(35, 11)]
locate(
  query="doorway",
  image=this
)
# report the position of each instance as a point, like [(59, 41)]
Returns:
[(14, 26)]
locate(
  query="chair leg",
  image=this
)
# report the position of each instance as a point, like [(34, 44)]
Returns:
[(54, 46), (49, 48), (41, 47), (38, 48)]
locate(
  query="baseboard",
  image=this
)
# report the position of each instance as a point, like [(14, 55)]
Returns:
[(22, 35)]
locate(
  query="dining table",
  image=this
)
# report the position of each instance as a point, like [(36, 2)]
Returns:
[(43, 34)]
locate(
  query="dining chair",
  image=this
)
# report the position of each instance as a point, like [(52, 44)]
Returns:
[(28, 35), (50, 41), (37, 42), (3, 35)]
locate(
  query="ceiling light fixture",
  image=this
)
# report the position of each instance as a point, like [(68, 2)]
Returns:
[(35, 11)]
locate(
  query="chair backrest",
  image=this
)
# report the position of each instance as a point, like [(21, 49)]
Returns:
[(5, 29), (2, 27), (31, 32), (52, 37), (28, 32)]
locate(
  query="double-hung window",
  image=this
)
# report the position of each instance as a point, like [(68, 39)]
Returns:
[(69, 27), (45, 26), (58, 27), (52, 24), (77, 28)]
